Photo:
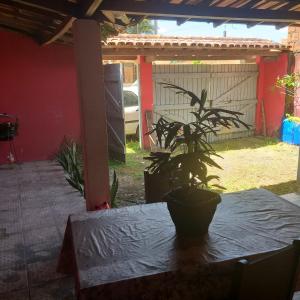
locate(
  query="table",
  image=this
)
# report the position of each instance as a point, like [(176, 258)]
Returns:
[(134, 253)]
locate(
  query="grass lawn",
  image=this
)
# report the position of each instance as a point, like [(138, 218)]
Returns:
[(248, 163), (258, 162)]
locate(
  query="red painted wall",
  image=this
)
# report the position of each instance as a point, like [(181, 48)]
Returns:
[(272, 97), (296, 69), (38, 84), (146, 94)]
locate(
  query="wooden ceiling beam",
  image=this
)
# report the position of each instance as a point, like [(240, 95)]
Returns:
[(282, 25), (28, 29), (181, 21), (109, 17), (59, 32), (19, 16), (12, 28), (25, 23), (220, 23), (252, 24), (289, 5), (30, 9), (56, 6), (250, 4), (201, 4), (132, 7), (206, 2), (87, 9)]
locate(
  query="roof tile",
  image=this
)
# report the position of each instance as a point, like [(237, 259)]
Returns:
[(152, 41)]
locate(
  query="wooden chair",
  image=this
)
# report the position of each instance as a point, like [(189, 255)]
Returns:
[(270, 278)]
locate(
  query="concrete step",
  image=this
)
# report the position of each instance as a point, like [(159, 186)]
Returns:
[(292, 197)]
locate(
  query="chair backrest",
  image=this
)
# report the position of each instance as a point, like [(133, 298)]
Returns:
[(270, 278)]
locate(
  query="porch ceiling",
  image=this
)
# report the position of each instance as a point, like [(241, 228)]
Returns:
[(48, 21)]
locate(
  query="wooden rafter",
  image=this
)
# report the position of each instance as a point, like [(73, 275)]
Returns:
[(109, 17), (252, 24), (282, 25), (48, 21), (182, 21), (250, 4), (206, 2), (289, 5), (15, 28), (219, 23), (56, 6), (86, 10), (195, 12), (60, 31), (202, 3), (89, 7), (27, 8)]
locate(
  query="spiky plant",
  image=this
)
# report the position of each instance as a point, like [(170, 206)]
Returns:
[(187, 151), (69, 157), (113, 191)]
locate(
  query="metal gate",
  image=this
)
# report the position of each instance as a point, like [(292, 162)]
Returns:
[(229, 86), (114, 111)]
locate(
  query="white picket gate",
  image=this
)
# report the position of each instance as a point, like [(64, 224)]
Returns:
[(229, 86)]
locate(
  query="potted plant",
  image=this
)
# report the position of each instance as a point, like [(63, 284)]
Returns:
[(185, 160)]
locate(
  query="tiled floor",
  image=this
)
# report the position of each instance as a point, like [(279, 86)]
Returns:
[(35, 202)]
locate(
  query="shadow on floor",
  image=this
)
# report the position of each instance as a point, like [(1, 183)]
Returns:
[(283, 187)]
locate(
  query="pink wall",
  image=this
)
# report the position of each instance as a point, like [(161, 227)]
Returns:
[(146, 91), (274, 99), (296, 69), (38, 84)]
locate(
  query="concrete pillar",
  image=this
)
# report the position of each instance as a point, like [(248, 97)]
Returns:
[(146, 98), (88, 58)]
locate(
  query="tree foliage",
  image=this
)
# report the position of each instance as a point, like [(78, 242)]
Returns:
[(289, 83), (145, 26)]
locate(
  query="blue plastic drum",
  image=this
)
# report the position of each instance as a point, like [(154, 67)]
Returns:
[(291, 132)]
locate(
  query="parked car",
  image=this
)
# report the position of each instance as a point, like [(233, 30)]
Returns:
[(131, 109)]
